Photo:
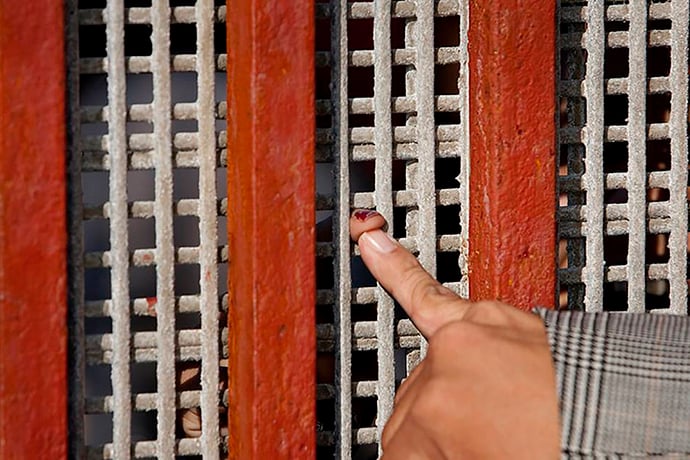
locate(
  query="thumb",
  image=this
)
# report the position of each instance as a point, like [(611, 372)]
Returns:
[(429, 304)]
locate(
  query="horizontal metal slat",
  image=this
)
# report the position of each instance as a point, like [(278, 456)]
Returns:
[(100, 160), (146, 306), (142, 64), (145, 141), (147, 257), (178, 15), (145, 209)]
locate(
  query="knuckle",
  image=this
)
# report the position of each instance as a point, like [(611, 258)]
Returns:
[(425, 295), (492, 312), (457, 335), (496, 313), (415, 278), (422, 286), (451, 333)]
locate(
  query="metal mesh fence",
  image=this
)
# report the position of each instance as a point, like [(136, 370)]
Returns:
[(624, 155), (391, 135), (148, 184), (148, 187)]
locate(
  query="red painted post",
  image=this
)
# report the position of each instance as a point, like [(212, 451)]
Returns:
[(270, 228), (512, 147), (33, 231)]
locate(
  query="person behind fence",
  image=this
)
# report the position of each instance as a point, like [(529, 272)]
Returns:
[(498, 382)]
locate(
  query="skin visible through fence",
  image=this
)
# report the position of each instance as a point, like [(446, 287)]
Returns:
[(208, 237), (117, 148), (33, 239)]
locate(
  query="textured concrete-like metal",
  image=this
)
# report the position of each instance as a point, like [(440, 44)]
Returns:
[(271, 229), (353, 140), (603, 203), (593, 178), (133, 163), (208, 233), (637, 192), (678, 133), (119, 239), (426, 139), (165, 247), (464, 150), (383, 193), (33, 231), (512, 141)]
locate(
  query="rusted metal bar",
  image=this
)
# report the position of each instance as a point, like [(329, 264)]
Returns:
[(270, 228), (33, 231), (512, 240)]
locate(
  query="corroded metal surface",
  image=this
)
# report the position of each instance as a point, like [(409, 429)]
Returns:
[(512, 239), (33, 232), (271, 229)]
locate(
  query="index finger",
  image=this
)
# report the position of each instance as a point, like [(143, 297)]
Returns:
[(429, 304)]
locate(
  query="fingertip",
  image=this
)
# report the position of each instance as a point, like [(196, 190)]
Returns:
[(364, 220)]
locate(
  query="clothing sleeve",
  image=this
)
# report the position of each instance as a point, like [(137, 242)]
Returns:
[(623, 382)]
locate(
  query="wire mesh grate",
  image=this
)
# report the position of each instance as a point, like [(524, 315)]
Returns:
[(391, 135), (624, 156), (148, 291)]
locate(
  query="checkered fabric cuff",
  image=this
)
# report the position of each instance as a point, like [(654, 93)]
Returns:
[(624, 383)]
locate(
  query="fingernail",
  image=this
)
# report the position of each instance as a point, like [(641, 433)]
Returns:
[(365, 214), (380, 241)]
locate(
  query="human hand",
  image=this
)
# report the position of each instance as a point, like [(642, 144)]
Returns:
[(486, 388), (189, 379)]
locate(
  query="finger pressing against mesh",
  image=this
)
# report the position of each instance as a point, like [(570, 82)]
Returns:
[(363, 220), (429, 304)]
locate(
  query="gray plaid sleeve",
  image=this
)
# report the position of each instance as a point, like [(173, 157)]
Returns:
[(623, 382)]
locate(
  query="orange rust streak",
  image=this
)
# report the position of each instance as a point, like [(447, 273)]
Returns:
[(33, 240), (271, 229), (512, 141)]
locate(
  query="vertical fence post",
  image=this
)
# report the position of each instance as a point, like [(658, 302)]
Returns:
[(33, 231), (271, 229), (512, 240)]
